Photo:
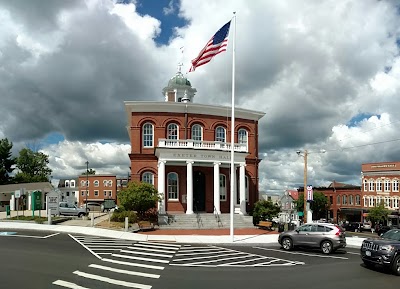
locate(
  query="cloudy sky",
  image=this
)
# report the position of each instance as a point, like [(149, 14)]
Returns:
[(326, 73)]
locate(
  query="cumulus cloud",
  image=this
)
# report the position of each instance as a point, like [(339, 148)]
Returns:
[(324, 72)]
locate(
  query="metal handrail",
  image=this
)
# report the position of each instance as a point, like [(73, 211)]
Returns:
[(216, 214), (198, 216)]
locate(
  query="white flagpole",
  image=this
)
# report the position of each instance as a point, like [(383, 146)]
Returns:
[(233, 173)]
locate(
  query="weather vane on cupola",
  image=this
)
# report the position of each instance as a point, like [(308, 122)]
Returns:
[(180, 64)]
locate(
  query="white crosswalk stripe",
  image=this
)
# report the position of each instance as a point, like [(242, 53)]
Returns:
[(123, 262)]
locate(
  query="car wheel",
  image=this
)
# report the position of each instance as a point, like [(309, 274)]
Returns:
[(396, 266), (80, 215), (326, 247), (287, 244)]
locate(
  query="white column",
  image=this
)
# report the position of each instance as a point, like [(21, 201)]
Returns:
[(12, 203), (242, 189), (189, 187), (161, 186), (217, 206)]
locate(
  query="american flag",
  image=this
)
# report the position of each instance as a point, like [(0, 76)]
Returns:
[(217, 44)]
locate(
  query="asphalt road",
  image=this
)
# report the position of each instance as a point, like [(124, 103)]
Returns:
[(47, 260)]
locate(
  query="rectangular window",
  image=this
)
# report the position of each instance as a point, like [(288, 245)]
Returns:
[(96, 193), (172, 186), (82, 193), (105, 193), (395, 186), (110, 193)]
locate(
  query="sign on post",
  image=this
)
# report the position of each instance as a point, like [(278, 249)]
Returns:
[(310, 196), (53, 200)]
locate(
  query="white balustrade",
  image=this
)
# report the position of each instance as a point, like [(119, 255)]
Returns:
[(204, 145)]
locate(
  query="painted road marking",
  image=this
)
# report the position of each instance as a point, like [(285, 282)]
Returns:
[(202, 253), (140, 258), (68, 285), (127, 272), (156, 247), (84, 246), (147, 254), (354, 253), (112, 281), (244, 256), (304, 254), (133, 264), (161, 244), (15, 234), (149, 249)]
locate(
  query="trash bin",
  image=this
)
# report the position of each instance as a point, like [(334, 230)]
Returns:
[(281, 227)]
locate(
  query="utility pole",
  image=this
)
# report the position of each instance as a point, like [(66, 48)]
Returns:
[(305, 188), (87, 184)]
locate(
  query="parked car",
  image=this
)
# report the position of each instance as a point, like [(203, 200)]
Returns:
[(93, 207), (70, 210), (366, 226), (383, 251), (328, 237), (353, 227)]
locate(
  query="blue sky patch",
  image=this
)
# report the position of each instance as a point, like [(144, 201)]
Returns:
[(53, 138), (164, 10), (355, 120)]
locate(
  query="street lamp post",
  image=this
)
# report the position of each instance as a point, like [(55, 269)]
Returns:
[(305, 208), (87, 184)]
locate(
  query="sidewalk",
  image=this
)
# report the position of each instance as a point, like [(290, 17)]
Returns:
[(217, 236)]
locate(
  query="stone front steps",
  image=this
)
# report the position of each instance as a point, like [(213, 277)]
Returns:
[(207, 221)]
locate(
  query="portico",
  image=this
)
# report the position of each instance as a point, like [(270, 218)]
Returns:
[(202, 166)]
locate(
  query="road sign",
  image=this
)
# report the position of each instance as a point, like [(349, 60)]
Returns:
[(53, 200), (17, 194)]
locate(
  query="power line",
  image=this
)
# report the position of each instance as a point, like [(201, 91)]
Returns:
[(363, 145)]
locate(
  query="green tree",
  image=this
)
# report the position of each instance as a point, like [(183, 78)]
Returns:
[(378, 214), (265, 210), (6, 161), (33, 167), (139, 197), (318, 205), (89, 172)]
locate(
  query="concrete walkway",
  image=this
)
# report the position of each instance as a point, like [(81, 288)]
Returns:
[(217, 236)]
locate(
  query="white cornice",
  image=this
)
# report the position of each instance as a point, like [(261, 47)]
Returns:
[(195, 108)]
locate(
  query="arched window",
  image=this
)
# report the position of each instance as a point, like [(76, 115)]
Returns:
[(220, 134), (344, 200), (197, 133), (173, 186), (242, 136), (365, 185), (371, 185), (96, 183), (379, 185), (222, 187), (358, 200), (172, 131), (387, 185), (351, 200), (338, 200), (395, 185), (148, 135), (148, 177)]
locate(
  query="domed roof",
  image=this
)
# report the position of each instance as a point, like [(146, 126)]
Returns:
[(179, 79)]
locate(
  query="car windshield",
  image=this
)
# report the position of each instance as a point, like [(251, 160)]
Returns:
[(392, 235)]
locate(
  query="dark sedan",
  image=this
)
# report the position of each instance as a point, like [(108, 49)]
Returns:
[(383, 251)]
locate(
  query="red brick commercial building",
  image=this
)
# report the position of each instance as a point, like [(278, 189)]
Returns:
[(184, 149), (97, 187), (380, 184)]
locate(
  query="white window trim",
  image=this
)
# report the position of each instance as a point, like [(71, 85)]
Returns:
[(96, 183), (151, 179), (216, 129), (201, 131), (177, 131), (177, 187), (152, 135)]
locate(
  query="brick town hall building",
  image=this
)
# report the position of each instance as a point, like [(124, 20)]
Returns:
[(184, 150)]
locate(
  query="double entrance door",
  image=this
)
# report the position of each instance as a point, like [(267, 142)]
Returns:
[(199, 191)]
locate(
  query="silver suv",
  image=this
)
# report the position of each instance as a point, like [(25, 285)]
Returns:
[(328, 237), (70, 210)]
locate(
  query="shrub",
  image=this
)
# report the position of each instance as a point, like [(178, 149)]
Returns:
[(120, 215)]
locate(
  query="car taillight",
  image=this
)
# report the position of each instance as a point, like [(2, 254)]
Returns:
[(339, 232)]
